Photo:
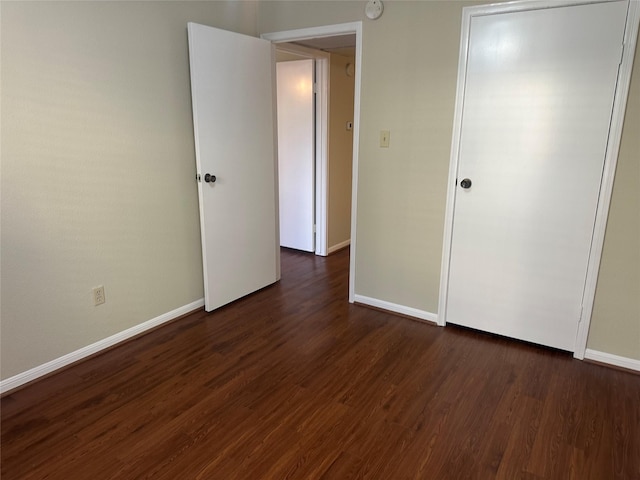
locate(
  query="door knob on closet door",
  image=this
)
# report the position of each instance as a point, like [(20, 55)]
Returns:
[(466, 183), (209, 178)]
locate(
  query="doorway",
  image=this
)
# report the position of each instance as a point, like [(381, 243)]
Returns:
[(333, 65), (534, 132), (296, 153), (308, 38)]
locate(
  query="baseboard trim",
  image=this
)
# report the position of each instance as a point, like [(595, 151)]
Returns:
[(338, 246), (35, 373), (614, 360), (396, 308)]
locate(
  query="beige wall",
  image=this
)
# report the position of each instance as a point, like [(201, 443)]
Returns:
[(409, 71), (615, 324), (97, 181), (340, 151), (97, 169)]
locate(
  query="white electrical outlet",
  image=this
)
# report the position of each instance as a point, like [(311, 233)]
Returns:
[(98, 295)]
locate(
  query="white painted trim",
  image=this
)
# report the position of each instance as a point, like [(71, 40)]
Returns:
[(323, 66), (58, 363), (355, 169), (396, 308), (330, 31), (608, 174), (525, 5), (610, 359), (453, 169), (338, 246), (615, 134), (313, 32)]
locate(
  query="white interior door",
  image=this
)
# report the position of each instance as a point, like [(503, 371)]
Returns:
[(538, 98), (296, 146), (232, 88)]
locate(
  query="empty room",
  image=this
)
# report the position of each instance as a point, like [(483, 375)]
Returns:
[(445, 320)]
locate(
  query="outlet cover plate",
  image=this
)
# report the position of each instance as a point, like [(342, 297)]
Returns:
[(98, 295)]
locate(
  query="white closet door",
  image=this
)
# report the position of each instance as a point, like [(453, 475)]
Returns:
[(296, 147), (538, 99)]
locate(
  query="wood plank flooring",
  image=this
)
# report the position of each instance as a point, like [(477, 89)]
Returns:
[(293, 382)]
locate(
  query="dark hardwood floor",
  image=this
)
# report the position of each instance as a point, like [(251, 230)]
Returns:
[(294, 382)]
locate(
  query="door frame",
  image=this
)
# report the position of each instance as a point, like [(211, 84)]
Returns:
[(321, 62), (610, 161), (288, 36)]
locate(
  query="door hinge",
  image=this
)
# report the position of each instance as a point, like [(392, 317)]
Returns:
[(314, 228), (198, 177), (315, 87)]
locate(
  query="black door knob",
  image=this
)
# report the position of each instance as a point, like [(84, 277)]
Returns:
[(466, 183), (209, 178)]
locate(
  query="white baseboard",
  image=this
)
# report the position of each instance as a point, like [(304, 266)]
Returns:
[(49, 367), (610, 359), (396, 308), (338, 246)]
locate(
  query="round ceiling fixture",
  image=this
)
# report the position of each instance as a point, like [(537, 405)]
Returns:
[(374, 9)]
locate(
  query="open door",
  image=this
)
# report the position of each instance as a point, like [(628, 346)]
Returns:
[(233, 92), (296, 146)]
